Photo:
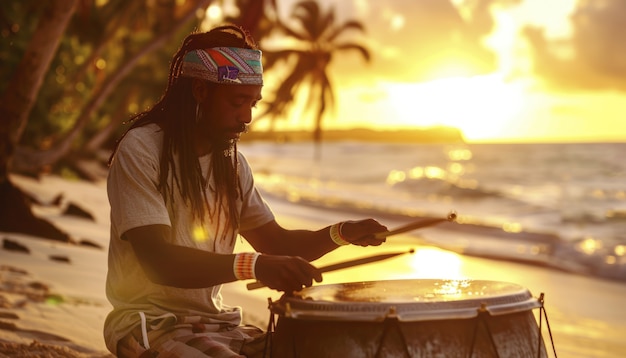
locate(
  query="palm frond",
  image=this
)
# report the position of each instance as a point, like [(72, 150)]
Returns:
[(285, 94), (296, 34), (348, 25), (325, 24), (308, 13), (351, 46), (272, 58)]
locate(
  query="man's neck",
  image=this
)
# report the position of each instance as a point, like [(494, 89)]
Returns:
[(203, 149)]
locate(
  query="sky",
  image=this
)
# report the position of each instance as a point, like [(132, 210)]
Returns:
[(512, 71)]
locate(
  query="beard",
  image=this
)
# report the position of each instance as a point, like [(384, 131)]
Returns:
[(222, 138)]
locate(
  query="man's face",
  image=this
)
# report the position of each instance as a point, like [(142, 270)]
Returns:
[(226, 112)]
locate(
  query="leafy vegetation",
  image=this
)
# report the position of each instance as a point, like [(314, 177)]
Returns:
[(74, 70)]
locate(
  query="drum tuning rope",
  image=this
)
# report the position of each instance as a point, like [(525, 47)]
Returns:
[(480, 318), (271, 325), (483, 312), (543, 312), (389, 325)]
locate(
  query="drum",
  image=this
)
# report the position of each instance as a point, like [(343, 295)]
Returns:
[(407, 318)]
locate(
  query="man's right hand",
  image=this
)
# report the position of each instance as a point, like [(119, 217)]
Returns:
[(286, 273)]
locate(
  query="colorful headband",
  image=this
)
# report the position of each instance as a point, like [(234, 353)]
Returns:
[(227, 65)]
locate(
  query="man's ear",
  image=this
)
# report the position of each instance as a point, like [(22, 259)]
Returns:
[(199, 89)]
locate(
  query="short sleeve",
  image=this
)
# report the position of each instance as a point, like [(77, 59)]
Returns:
[(255, 211), (132, 182)]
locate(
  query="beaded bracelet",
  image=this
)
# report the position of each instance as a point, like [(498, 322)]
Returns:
[(243, 265), (335, 235)]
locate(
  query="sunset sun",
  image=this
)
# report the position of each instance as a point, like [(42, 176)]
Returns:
[(480, 106)]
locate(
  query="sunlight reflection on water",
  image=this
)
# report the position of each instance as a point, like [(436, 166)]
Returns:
[(427, 263), (434, 263)]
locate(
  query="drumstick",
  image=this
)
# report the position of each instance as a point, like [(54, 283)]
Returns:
[(342, 265), (414, 226)]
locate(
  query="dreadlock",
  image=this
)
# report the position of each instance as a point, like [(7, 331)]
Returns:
[(175, 113)]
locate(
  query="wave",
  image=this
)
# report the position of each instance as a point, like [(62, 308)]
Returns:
[(444, 188), (470, 235), (561, 206)]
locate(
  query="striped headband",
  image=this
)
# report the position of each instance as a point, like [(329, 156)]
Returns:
[(226, 65)]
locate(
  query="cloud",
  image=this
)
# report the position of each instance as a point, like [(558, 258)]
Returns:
[(595, 55), (414, 41)]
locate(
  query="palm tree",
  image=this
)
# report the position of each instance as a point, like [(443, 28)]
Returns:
[(16, 103), (319, 38), (32, 161), (19, 98)]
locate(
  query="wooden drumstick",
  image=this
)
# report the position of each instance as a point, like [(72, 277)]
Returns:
[(343, 265), (414, 226)]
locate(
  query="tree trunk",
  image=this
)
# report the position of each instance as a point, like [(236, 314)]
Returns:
[(31, 161), (17, 101), (251, 15), (15, 106)]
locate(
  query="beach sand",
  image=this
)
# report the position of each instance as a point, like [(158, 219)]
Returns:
[(53, 304)]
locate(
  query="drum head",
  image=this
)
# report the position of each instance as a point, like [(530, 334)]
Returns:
[(406, 300)]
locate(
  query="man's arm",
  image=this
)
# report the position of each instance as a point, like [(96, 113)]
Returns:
[(272, 239), (174, 265), (186, 267)]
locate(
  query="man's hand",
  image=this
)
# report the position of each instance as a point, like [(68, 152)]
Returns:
[(286, 273), (362, 232)]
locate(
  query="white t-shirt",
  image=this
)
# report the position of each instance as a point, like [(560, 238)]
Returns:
[(135, 202)]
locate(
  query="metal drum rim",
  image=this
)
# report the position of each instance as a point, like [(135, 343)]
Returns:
[(494, 304)]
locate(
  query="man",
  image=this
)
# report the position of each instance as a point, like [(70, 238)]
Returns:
[(180, 193)]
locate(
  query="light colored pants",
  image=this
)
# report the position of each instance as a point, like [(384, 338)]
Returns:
[(192, 341)]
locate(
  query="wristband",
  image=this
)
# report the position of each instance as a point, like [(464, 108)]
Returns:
[(335, 235), (243, 265)]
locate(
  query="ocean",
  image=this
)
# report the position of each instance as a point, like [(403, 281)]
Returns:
[(557, 206)]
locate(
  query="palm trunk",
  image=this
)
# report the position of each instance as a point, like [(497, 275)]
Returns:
[(15, 106), (18, 100), (32, 161)]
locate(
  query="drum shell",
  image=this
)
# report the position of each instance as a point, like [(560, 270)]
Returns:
[(408, 318), (514, 335)]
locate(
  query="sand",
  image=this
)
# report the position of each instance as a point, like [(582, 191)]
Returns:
[(52, 300)]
